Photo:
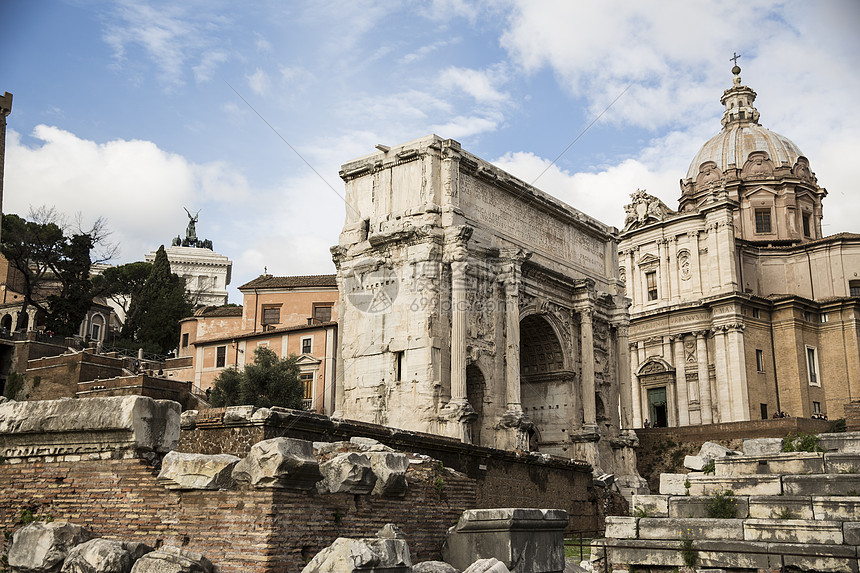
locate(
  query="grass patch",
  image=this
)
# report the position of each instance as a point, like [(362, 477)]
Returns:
[(722, 505), (802, 442)]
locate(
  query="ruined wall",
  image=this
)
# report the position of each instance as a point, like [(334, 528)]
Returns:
[(502, 479), (248, 530), (55, 377)]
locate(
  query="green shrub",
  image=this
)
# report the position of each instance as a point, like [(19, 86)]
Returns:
[(802, 442), (688, 553), (785, 513), (710, 468), (14, 384), (838, 425), (722, 505)]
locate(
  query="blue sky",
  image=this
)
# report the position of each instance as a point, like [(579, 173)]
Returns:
[(124, 110)]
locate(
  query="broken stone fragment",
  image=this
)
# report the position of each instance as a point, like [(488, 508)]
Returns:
[(695, 463), (434, 567), (279, 462), (762, 446), (350, 472), (172, 560), (710, 450), (491, 565), (369, 444), (41, 547), (387, 552), (238, 414), (390, 471), (197, 471), (103, 556)]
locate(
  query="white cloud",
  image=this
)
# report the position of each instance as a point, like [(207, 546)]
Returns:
[(461, 127), (482, 85), (259, 82), (139, 188), (209, 62)]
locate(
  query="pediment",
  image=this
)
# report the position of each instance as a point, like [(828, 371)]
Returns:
[(648, 260), (760, 190), (654, 365), (307, 360)]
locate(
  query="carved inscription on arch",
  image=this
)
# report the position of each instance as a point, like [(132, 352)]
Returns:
[(524, 223)]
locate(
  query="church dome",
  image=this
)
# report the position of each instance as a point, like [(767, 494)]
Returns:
[(742, 135)]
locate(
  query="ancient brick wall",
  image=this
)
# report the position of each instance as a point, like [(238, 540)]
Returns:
[(852, 416), (50, 378), (249, 530), (503, 478)]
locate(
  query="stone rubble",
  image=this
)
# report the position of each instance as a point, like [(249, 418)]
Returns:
[(104, 556), (387, 552), (490, 565), (279, 463), (350, 472), (172, 560), (41, 547), (197, 471)]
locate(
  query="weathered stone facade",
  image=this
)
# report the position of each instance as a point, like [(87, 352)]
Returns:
[(741, 308), (475, 306)]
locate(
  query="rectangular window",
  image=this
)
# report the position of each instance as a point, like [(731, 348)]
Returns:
[(307, 345), (184, 340), (823, 317), (812, 366), (854, 288), (271, 315), (764, 411), (398, 366), (762, 221), (651, 280), (756, 313), (759, 360), (322, 313), (307, 381), (816, 407), (808, 316), (220, 357), (807, 225)]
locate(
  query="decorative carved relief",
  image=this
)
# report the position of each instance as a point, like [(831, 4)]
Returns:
[(690, 351), (801, 170), (708, 174), (644, 208), (685, 264), (758, 164)]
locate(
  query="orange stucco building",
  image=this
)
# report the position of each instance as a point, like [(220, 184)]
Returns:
[(293, 315)]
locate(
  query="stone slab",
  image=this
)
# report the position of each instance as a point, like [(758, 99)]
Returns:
[(693, 528), (673, 484), (842, 463), (840, 442), (694, 506), (735, 555), (793, 531), (851, 533), (785, 463), (525, 540), (88, 425), (762, 446), (740, 485), (620, 527), (280, 463), (836, 508), (651, 505), (781, 506), (197, 471), (823, 559), (712, 554), (696, 463), (822, 484)]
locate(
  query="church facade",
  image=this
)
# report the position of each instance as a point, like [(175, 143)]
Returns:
[(475, 306), (741, 309)]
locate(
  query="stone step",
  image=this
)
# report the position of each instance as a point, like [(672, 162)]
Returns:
[(695, 506), (740, 485), (793, 531), (841, 442), (836, 508), (821, 484), (842, 463), (770, 464), (693, 528), (781, 507), (730, 555)]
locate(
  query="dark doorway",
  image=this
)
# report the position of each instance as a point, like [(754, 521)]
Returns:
[(657, 407), (475, 390)]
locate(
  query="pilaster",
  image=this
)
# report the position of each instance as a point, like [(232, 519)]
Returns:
[(681, 382), (705, 401)]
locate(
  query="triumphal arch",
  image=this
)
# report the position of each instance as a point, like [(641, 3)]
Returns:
[(478, 307)]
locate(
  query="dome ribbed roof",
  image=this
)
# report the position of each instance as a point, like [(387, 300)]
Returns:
[(735, 142), (742, 134)]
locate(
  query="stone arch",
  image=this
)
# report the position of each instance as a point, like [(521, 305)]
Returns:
[(97, 327), (545, 383), (6, 322), (25, 321), (476, 390)]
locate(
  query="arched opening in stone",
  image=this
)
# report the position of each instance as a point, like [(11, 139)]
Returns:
[(6, 323), (475, 391), (544, 384), (25, 322)]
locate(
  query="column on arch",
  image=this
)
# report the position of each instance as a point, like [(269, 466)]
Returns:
[(589, 410), (636, 391)]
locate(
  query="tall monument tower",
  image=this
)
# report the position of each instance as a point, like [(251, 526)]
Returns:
[(5, 109)]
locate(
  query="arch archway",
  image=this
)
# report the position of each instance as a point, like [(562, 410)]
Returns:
[(6, 323), (545, 389), (475, 392)]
